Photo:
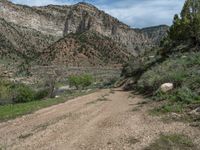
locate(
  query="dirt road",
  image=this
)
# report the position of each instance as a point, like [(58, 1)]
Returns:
[(103, 120)]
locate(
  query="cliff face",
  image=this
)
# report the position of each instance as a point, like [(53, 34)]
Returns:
[(21, 41), (59, 21), (48, 20), (155, 33)]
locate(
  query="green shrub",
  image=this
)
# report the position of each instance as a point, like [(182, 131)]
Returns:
[(22, 93), (172, 142), (74, 81), (182, 70), (185, 95), (166, 108), (41, 94), (109, 82), (5, 92), (86, 80), (165, 73), (5, 89), (80, 81), (19, 93), (182, 95)]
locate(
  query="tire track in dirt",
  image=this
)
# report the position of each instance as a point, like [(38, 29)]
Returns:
[(102, 120)]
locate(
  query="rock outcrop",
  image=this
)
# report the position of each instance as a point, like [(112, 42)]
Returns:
[(17, 41)]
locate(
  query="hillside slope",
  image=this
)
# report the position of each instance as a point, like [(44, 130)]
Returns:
[(85, 49), (17, 41), (177, 62)]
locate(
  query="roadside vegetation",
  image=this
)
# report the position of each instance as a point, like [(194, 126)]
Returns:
[(17, 99), (80, 81), (18, 93), (172, 141), (176, 61), (11, 111)]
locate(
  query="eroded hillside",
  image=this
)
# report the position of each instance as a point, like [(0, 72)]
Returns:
[(85, 49), (62, 20)]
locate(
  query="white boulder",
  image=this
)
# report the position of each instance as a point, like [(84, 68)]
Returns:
[(166, 87)]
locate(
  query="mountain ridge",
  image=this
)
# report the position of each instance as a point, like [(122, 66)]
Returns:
[(34, 31), (61, 20)]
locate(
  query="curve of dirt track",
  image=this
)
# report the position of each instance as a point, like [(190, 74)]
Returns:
[(103, 120)]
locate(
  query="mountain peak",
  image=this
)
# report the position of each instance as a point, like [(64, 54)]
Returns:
[(85, 3)]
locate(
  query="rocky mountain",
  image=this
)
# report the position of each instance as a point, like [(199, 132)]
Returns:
[(17, 41), (76, 35), (156, 33), (85, 49)]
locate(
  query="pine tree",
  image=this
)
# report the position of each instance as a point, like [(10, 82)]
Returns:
[(186, 28), (174, 30), (195, 22), (185, 13)]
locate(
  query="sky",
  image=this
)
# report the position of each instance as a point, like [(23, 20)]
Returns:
[(135, 13)]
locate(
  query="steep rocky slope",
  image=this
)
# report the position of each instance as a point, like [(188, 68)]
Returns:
[(17, 41), (85, 49), (156, 33), (49, 20), (62, 20)]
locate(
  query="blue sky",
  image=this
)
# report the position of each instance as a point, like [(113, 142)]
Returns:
[(135, 13)]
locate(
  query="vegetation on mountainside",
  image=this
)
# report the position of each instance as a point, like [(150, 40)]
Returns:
[(177, 61), (85, 49), (185, 29), (20, 46)]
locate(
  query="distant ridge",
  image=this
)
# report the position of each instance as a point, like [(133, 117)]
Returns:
[(32, 30)]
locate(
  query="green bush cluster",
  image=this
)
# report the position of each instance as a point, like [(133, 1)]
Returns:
[(22, 93), (80, 81), (19, 93), (5, 90), (182, 95), (40, 94), (181, 71)]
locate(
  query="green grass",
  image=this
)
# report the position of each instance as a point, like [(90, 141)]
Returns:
[(166, 108), (12, 111), (172, 142)]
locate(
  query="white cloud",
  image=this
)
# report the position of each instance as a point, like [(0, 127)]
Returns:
[(136, 13), (147, 12)]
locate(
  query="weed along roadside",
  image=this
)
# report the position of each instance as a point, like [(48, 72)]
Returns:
[(12, 111), (20, 99)]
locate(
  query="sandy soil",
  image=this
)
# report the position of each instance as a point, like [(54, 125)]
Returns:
[(103, 120)]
